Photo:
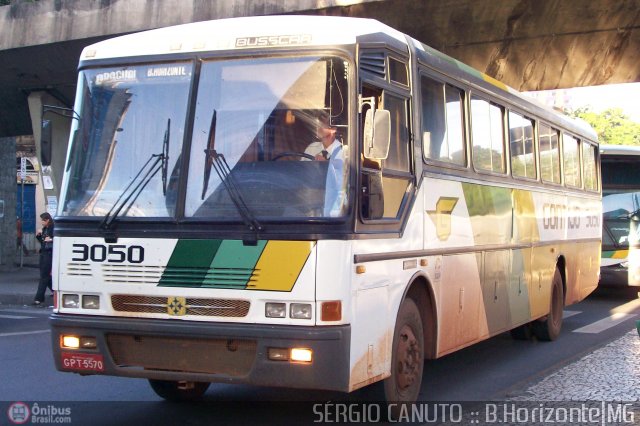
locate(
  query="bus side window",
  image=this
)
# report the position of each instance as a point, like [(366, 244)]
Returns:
[(385, 182), (589, 167), (487, 135), (442, 122), (372, 198), (571, 161), (523, 162), (549, 154)]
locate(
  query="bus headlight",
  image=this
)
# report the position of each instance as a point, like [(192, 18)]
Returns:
[(300, 311), (90, 302), (275, 310), (71, 301)]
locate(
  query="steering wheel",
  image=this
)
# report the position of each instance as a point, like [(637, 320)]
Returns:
[(293, 154)]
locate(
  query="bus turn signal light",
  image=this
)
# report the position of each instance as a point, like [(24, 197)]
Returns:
[(331, 311)]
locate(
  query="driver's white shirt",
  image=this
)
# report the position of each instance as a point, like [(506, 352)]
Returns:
[(313, 149)]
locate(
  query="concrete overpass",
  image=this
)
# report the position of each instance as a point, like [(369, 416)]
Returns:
[(528, 44)]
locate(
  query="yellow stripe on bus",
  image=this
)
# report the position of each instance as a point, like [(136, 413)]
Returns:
[(620, 254), (280, 264)]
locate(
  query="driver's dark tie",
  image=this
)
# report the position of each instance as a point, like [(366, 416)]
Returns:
[(325, 154)]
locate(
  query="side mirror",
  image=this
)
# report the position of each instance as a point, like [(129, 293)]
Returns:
[(377, 134), (46, 137)]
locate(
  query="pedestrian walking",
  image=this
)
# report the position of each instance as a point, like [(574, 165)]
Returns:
[(46, 257)]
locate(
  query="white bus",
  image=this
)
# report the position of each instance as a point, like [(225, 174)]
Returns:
[(203, 236), (620, 216)]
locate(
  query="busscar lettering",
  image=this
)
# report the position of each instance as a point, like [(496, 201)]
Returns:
[(279, 40)]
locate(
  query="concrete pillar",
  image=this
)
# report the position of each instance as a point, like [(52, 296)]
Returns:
[(48, 191), (7, 203)]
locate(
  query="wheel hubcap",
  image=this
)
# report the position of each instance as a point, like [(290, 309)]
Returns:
[(408, 358)]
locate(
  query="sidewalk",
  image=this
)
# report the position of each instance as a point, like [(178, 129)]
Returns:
[(610, 373), (18, 286)]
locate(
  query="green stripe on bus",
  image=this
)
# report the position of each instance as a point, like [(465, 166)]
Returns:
[(189, 263), (234, 264)]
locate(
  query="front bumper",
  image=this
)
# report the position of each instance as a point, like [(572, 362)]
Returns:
[(207, 352), (616, 276)]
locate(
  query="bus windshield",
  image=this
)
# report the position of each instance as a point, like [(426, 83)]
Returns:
[(269, 141), (129, 117), (620, 201), (261, 126)]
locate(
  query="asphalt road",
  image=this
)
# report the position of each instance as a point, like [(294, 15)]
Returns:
[(492, 370)]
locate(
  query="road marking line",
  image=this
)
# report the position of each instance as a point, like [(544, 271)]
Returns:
[(604, 323), (14, 317), (22, 333), (569, 314)]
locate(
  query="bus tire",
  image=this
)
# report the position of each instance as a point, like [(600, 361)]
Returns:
[(631, 292), (407, 358), (548, 329), (178, 391)]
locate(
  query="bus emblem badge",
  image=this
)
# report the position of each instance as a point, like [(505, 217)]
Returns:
[(441, 216), (176, 306)]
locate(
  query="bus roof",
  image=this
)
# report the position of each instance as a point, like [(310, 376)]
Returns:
[(241, 33), (452, 67), (619, 150), (302, 30)]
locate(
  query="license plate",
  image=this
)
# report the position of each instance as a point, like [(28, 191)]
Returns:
[(82, 362)]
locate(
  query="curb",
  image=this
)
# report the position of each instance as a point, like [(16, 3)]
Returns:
[(23, 299), (27, 265)]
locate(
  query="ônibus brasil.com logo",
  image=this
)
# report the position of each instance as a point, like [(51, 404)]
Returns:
[(19, 413)]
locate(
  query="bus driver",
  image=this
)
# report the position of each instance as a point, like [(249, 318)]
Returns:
[(329, 148)]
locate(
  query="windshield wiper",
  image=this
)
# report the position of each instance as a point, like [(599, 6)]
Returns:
[(155, 163), (632, 215), (635, 213), (208, 161), (220, 165), (165, 156)]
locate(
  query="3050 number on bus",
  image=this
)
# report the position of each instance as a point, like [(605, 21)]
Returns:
[(111, 253)]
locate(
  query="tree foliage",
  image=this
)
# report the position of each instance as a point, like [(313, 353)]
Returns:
[(612, 125)]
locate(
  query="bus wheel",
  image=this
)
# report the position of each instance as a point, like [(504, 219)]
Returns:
[(549, 328), (407, 357), (179, 391)]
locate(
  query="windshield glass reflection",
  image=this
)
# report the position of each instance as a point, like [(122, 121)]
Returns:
[(123, 127), (269, 121)]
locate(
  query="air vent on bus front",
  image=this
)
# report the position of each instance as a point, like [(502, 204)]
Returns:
[(75, 269), (373, 62), (172, 276), (125, 274)]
